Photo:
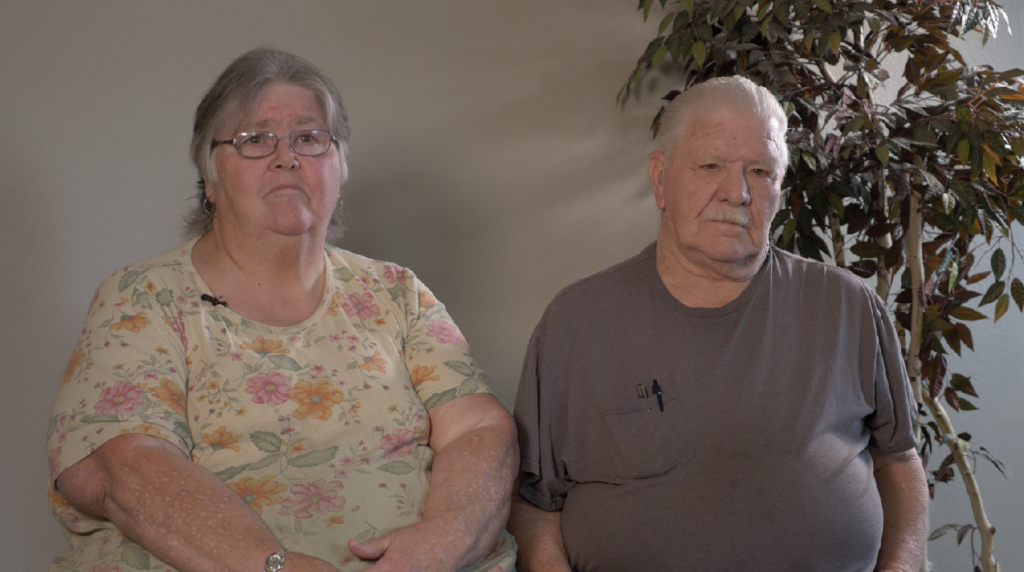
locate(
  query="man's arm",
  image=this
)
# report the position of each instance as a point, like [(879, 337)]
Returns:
[(470, 485), (903, 489), (177, 510), (539, 535)]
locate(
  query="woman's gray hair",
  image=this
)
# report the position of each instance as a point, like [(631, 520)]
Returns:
[(716, 93), (235, 96)]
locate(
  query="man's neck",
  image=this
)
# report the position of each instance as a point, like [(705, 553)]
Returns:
[(707, 285)]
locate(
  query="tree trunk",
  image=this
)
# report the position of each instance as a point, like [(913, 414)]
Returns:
[(913, 360)]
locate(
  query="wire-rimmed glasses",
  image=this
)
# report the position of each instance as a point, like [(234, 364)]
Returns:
[(256, 144)]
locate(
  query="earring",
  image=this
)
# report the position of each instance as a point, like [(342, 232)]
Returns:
[(209, 207)]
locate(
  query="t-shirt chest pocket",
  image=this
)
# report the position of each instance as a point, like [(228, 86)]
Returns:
[(643, 440)]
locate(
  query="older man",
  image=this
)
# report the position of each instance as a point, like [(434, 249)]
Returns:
[(714, 403)]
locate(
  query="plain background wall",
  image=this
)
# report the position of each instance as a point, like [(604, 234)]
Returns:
[(487, 154)]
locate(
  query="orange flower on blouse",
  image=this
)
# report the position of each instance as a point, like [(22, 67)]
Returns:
[(133, 324), (168, 394), (77, 358), (421, 373), (264, 347), (261, 493), (315, 401), (375, 363), (222, 439)]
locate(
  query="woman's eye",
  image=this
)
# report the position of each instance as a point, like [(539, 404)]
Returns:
[(254, 139), (709, 166)]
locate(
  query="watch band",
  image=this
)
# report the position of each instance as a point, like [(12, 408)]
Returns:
[(275, 562)]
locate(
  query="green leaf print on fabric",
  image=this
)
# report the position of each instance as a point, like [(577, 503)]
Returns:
[(344, 274), (461, 368), (313, 458), (439, 398), (284, 362), (469, 385), (266, 441), (397, 468), (165, 297), (97, 418), (231, 472), (136, 557), (128, 279)]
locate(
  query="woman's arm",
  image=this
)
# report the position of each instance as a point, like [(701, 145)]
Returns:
[(470, 491), (180, 512)]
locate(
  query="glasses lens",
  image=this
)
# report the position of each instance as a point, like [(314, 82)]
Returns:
[(313, 142), (255, 143)]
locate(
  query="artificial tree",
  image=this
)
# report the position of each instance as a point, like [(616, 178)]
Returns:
[(911, 179)]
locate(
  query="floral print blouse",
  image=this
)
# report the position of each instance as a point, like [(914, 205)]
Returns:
[(322, 427)]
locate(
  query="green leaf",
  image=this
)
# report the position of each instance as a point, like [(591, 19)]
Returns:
[(989, 164), (265, 461), (883, 154), (1001, 306), (165, 297), (659, 55), (948, 203), (284, 362), (998, 262), (136, 557), (266, 441), (965, 314), (665, 23), (397, 467), (965, 406), (868, 249), (344, 274), (810, 160), (1018, 146), (993, 293), (954, 273), (686, 6), (313, 458), (1017, 291), (963, 151), (824, 5), (231, 472), (439, 398), (962, 384), (647, 8), (788, 230), (128, 279), (963, 116), (833, 42), (699, 52), (97, 418), (461, 368)]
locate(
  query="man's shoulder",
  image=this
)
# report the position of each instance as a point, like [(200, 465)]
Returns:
[(607, 283), (815, 274)]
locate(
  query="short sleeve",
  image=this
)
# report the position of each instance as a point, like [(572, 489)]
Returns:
[(539, 415), (440, 363), (126, 374), (892, 422)]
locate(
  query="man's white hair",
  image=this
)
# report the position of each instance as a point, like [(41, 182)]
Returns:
[(734, 92)]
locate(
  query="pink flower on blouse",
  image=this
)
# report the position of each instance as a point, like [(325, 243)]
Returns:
[(121, 398), (444, 332), (398, 444), (393, 273), (361, 305), (313, 498), (271, 388)]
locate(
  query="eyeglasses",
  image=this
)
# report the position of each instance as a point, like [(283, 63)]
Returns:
[(256, 144)]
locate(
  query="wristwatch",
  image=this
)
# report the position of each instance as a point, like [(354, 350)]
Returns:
[(275, 562)]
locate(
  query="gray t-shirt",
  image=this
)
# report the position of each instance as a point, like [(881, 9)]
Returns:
[(758, 460)]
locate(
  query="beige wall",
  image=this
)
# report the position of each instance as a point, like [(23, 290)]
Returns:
[(487, 154)]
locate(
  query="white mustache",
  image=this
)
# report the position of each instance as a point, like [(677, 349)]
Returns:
[(727, 214)]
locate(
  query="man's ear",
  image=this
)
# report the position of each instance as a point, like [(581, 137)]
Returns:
[(656, 173)]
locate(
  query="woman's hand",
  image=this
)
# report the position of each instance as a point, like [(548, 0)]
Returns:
[(470, 491), (180, 512)]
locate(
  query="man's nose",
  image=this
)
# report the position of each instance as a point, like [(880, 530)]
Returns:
[(734, 188)]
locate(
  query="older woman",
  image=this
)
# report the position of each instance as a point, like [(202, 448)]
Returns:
[(256, 400)]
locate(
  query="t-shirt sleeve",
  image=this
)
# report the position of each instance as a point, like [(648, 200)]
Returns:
[(539, 415), (892, 423), (440, 363), (126, 374)]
